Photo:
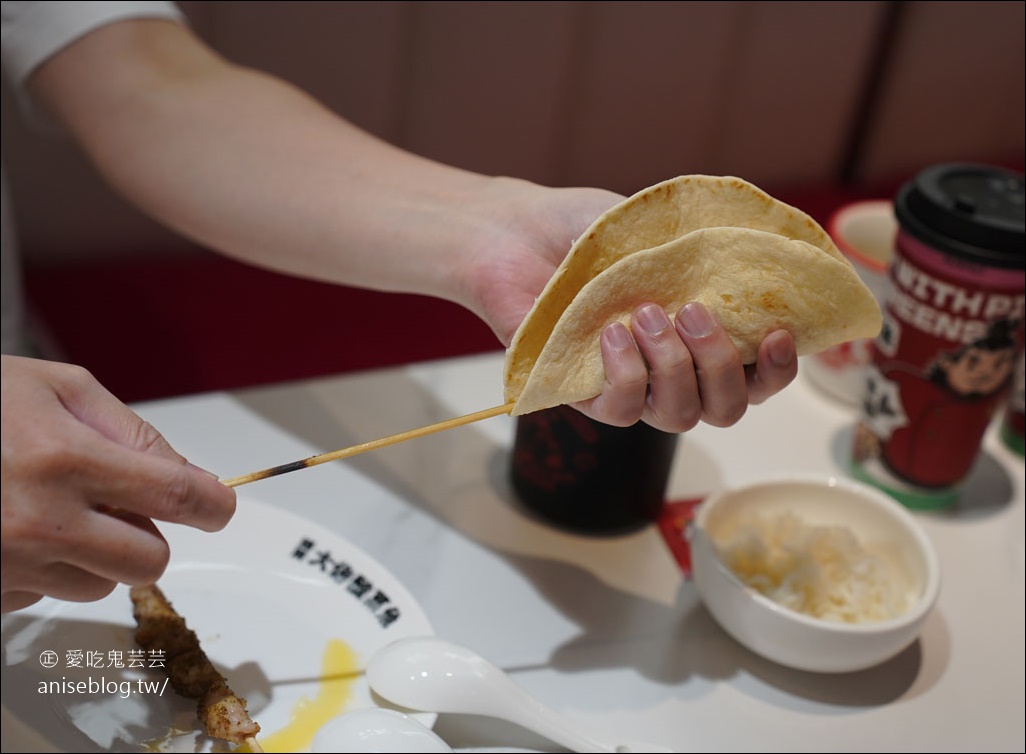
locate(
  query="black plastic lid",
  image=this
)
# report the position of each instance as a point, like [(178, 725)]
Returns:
[(975, 212)]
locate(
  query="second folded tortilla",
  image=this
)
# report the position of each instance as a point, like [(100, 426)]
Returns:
[(754, 282)]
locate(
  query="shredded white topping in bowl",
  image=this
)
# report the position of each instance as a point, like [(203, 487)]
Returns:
[(821, 571)]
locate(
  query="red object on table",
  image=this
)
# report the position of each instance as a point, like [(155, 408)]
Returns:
[(673, 525)]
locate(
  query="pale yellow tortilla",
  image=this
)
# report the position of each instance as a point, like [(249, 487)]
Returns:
[(754, 282), (651, 218)]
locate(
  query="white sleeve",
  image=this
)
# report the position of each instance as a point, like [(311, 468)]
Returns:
[(32, 31)]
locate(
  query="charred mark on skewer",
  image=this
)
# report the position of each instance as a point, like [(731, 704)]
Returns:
[(285, 468)]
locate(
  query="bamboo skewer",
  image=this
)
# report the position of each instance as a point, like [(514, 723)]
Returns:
[(365, 446), (253, 746)]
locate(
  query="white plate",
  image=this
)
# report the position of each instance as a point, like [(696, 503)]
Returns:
[(267, 597)]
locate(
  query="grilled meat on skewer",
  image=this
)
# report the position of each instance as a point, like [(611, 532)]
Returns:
[(160, 628)]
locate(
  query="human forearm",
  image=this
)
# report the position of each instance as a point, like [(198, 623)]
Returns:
[(249, 165)]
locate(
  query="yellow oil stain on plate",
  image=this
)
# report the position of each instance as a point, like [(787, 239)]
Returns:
[(339, 672)]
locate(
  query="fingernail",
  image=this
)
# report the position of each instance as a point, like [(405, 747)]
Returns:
[(194, 467), (653, 319), (616, 335), (780, 352), (698, 321)]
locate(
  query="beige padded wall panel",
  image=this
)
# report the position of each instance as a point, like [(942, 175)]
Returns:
[(954, 90), (761, 90)]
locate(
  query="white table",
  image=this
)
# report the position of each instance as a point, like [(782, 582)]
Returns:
[(607, 630)]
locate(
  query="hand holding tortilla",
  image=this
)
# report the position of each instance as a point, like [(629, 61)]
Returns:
[(758, 264)]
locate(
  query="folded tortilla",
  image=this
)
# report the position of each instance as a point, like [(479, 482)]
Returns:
[(754, 282), (650, 218)]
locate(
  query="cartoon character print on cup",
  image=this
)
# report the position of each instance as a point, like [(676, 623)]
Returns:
[(927, 422)]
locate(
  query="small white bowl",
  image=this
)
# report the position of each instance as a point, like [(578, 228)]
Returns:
[(796, 639)]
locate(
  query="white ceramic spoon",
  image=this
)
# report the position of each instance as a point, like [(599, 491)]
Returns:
[(434, 675), (377, 730)]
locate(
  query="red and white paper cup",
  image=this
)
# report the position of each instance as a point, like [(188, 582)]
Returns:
[(944, 363)]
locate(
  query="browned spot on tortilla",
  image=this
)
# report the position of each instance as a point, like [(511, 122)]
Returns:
[(771, 301)]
